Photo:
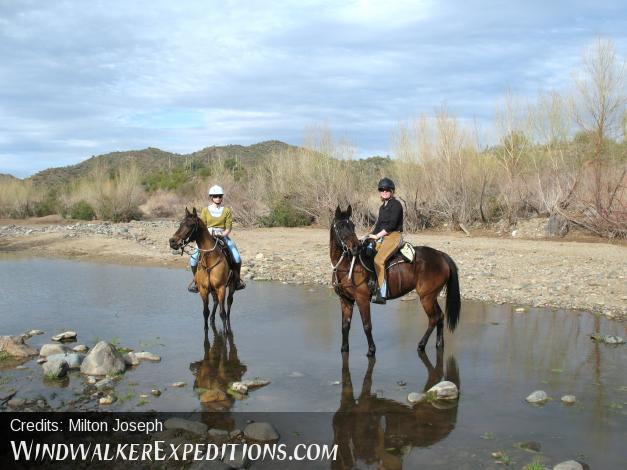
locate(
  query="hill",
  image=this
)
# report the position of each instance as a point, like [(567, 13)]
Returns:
[(150, 160)]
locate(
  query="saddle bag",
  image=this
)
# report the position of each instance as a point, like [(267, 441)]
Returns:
[(408, 252)]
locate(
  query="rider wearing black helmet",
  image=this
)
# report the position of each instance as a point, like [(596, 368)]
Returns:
[(387, 231)]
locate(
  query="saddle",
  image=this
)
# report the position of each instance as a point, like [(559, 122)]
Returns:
[(226, 252), (405, 253)]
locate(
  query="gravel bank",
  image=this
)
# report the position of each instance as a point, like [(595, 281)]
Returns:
[(527, 272)]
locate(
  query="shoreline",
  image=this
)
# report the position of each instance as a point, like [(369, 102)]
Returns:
[(523, 272)]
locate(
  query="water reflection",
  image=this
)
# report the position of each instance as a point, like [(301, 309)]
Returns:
[(219, 367), (373, 430)]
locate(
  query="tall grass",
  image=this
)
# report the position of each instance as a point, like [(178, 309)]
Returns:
[(17, 198)]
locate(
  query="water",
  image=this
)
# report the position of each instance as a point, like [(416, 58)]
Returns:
[(291, 336)]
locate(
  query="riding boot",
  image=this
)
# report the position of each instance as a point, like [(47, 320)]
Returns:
[(380, 297), (192, 287), (239, 284)]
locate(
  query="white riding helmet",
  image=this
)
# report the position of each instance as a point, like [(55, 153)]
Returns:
[(215, 189)]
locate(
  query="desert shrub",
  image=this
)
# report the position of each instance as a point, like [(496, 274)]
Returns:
[(81, 211), (163, 204), (284, 214)]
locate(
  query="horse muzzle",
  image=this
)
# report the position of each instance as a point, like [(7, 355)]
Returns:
[(175, 244)]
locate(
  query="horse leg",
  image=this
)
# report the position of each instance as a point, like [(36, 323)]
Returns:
[(205, 309), (229, 302), (439, 344), (214, 307), (221, 293), (347, 315), (363, 303), (429, 303)]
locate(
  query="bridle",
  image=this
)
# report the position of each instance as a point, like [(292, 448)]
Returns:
[(191, 237), (345, 252)]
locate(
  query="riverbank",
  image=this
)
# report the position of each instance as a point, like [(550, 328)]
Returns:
[(525, 272)]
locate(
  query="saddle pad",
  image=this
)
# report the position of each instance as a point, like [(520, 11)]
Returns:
[(408, 252)]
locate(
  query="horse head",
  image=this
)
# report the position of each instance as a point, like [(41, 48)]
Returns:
[(187, 231), (344, 231)]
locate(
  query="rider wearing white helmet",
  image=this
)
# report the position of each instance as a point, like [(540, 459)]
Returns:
[(219, 221)]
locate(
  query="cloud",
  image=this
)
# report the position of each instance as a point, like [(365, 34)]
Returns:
[(77, 81)]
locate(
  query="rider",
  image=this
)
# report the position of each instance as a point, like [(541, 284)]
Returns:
[(219, 222), (388, 233)]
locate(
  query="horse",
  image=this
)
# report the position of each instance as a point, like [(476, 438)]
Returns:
[(428, 274), (214, 274)]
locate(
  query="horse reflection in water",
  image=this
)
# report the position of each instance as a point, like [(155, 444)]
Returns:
[(374, 430), (219, 367)]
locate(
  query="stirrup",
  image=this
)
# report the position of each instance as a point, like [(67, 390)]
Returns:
[(379, 299), (192, 287)]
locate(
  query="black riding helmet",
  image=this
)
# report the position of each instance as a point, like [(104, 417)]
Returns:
[(386, 183)]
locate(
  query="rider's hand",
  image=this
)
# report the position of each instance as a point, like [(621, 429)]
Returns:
[(372, 236)]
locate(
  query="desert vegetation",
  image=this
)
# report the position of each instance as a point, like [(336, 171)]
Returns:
[(562, 155)]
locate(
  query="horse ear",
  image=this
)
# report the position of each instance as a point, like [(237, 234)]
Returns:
[(186, 211), (338, 212), (349, 211), (195, 213)]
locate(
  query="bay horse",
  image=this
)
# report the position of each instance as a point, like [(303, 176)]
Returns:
[(214, 274), (431, 271)]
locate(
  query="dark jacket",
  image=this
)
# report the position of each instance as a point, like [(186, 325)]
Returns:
[(390, 217)]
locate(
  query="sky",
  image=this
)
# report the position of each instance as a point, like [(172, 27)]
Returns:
[(85, 78)]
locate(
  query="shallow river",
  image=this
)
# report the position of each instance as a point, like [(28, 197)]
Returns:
[(291, 336)]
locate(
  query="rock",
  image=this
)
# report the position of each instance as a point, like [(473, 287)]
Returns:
[(16, 402), (520, 310), (239, 387), (557, 226), (568, 465), (444, 390), (218, 434), (31, 333), (194, 427), (53, 348), (103, 384), (239, 460), (415, 397), (91, 380), (80, 348), (41, 360), (65, 336), (107, 400), (608, 339), (235, 433), (103, 359), (212, 395), (15, 346), (568, 399), (73, 360), (537, 397), (178, 384), (156, 392), (55, 369), (262, 432), (530, 446), (255, 383), (259, 256), (131, 359), (147, 356)]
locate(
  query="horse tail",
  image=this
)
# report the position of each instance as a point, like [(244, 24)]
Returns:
[(453, 301)]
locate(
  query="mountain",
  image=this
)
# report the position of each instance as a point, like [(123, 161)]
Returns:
[(152, 159)]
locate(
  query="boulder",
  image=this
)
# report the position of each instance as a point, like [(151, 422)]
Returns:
[(444, 390), (73, 360), (15, 346), (65, 336), (568, 465), (147, 356), (569, 399), (53, 348), (103, 359), (415, 397), (262, 432), (55, 369), (255, 383), (80, 348), (239, 387)]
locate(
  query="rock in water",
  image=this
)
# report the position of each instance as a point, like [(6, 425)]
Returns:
[(569, 399), (103, 359), (415, 397), (444, 390), (147, 356), (106, 400), (80, 348), (212, 395), (239, 387), (53, 348), (55, 369), (65, 336), (255, 383), (73, 360), (194, 427), (15, 346), (262, 432), (568, 465), (537, 397), (131, 359)]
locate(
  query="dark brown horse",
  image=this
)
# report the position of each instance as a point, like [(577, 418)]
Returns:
[(214, 274), (431, 271), (369, 429)]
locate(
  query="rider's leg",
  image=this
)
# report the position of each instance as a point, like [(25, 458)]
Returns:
[(386, 249), (193, 263), (237, 264)]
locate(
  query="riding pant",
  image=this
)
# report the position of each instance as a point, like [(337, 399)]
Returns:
[(385, 249), (193, 260)]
